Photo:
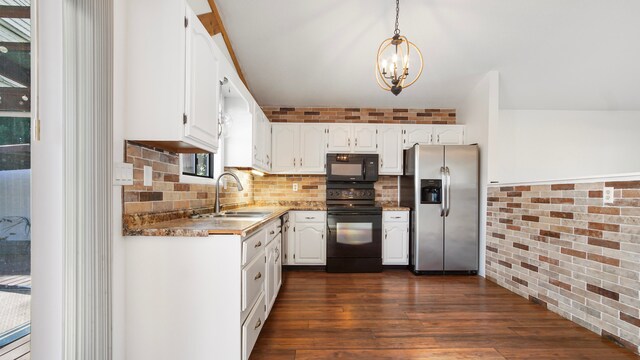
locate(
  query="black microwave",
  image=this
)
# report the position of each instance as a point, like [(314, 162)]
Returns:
[(352, 167)]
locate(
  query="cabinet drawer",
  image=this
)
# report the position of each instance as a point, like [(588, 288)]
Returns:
[(252, 246), (310, 216), (251, 328), (252, 281), (272, 230), (395, 216)]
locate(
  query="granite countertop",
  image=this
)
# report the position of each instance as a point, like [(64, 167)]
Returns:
[(181, 223)]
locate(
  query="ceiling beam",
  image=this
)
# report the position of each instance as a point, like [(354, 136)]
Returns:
[(227, 42), (11, 99), (19, 12), (16, 46)]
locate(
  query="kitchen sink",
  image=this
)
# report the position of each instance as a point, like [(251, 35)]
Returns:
[(247, 213)]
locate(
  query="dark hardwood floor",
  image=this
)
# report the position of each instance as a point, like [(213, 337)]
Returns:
[(396, 315)]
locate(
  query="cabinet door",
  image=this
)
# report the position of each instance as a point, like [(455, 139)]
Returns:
[(202, 87), (266, 148), (395, 244), (449, 135), (277, 278), (339, 139), (412, 134), (269, 282), (365, 138), (312, 155), (390, 140), (257, 139), (284, 147), (310, 244)]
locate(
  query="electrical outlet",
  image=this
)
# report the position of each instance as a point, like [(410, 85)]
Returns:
[(608, 196), (148, 176), (295, 187)]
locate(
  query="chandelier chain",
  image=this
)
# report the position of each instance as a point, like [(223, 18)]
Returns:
[(397, 30)]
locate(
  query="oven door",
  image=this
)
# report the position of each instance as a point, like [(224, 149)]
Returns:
[(350, 168), (354, 234)]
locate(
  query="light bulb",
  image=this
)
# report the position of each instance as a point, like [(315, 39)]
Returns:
[(394, 58), (384, 64)]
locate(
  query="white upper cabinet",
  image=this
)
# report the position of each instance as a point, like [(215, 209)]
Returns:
[(202, 85), (261, 140), (247, 141), (416, 134), (299, 148), (390, 150), (352, 138), (284, 147), (312, 155), (339, 138), (448, 134), (365, 138), (171, 69)]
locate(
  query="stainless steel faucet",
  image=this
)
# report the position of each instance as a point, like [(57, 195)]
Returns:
[(240, 188)]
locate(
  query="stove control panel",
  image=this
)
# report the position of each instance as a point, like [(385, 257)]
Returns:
[(346, 194)]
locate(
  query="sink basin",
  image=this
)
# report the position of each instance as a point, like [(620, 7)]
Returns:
[(247, 213), (237, 216)]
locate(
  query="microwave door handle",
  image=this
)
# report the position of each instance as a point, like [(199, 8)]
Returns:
[(443, 188)]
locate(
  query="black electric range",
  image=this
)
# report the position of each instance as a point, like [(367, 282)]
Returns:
[(354, 228)]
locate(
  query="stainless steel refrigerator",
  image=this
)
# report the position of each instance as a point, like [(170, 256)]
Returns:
[(440, 185)]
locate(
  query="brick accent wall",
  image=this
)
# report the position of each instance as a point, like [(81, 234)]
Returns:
[(559, 246), (167, 193), (279, 189), (360, 115)]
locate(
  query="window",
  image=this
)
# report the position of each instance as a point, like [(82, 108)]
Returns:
[(200, 165), (15, 170)]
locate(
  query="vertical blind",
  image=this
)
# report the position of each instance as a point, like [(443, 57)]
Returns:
[(88, 47)]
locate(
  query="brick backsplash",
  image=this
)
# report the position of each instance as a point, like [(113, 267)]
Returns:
[(559, 246), (279, 188), (360, 115), (167, 193)]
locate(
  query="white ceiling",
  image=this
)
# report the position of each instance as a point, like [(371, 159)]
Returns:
[(551, 54)]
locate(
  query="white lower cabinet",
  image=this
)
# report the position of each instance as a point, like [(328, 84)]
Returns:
[(395, 238), (211, 293), (307, 243)]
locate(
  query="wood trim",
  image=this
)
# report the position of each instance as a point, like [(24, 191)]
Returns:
[(210, 23), (15, 12), (227, 42)]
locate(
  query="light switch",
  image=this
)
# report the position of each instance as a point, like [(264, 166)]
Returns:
[(122, 174), (148, 176), (608, 196), (295, 187)]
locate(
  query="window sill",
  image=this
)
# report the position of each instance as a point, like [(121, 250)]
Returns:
[(186, 179)]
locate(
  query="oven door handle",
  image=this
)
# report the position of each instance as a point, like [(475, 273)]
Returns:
[(364, 169), (353, 213)]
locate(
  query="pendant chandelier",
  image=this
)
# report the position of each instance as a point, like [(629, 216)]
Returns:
[(392, 63)]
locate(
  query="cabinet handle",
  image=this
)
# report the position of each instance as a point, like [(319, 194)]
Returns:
[(272, 232), (294, 162), (349, 141), (381, 162), (309, 217), (258, 244), (258, 276), (268, 160), (395, 217), (438, 138), (300, 162), (431, 138), (258, 324), (385, 234), (356, 141)]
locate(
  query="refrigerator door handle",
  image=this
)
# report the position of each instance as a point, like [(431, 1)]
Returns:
[(448, 191), (443, 200)]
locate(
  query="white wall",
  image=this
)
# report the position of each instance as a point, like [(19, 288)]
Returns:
[(548, 144), (118, 274), (479, 113)]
